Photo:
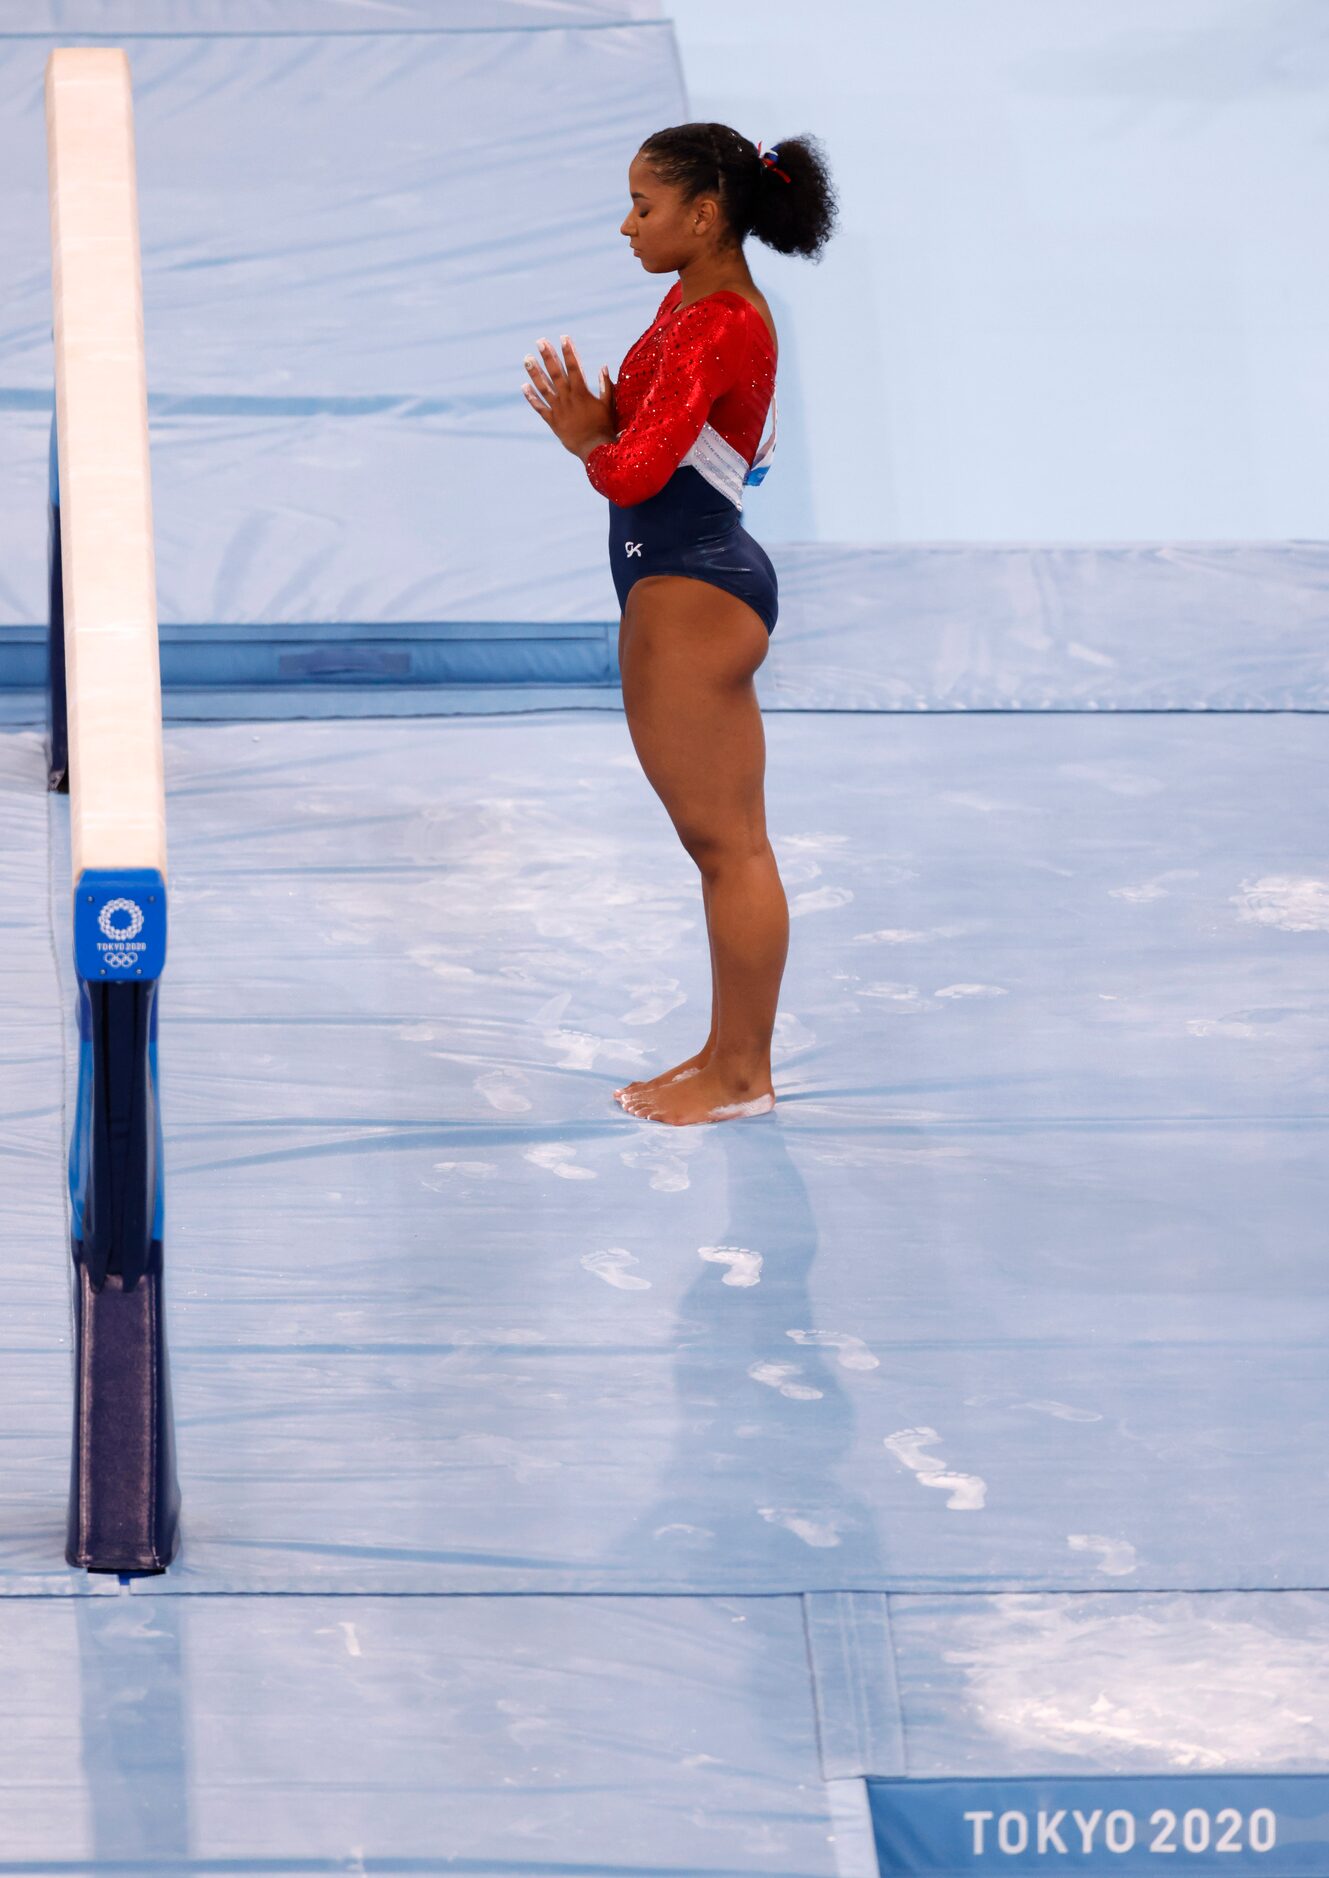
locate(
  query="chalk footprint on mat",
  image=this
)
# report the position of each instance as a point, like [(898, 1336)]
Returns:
[(781, 1376), (744, 1266), (612, 1265), (654, 1001), (850, 1352), (968, 1491), (558, 1157), (667, 1167), (500, 1091), (810, 1531)]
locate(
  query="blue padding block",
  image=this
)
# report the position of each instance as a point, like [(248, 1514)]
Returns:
[(1276, 1824), (120, 923), (362, 661)]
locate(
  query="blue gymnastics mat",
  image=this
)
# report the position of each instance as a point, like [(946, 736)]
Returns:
[(564, 1493)]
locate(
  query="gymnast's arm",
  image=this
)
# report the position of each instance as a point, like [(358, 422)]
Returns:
[(700, 359)]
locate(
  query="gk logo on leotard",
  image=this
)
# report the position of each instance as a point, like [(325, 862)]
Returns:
[(635, 547)]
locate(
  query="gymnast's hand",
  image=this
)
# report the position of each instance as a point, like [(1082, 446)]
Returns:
[(577, 416)]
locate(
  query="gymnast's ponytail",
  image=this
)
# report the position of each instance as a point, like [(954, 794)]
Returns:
[(783, 195)]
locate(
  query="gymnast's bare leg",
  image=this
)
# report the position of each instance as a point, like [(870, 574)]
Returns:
[(688, 652)]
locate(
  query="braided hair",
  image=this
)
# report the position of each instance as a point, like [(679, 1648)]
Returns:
[(787, 202)]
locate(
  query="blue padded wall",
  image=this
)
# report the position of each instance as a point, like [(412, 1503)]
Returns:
[(350, 240)]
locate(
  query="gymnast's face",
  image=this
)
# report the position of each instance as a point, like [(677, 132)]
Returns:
[(666, 233)]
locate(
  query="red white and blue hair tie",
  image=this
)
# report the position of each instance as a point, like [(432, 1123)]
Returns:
[(769, 159)]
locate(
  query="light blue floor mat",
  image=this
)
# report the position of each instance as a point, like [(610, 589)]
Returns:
[(993, 1358)]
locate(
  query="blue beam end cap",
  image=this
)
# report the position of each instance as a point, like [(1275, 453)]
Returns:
[(120, 923)]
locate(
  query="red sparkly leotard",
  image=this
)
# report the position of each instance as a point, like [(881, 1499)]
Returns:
[(691, 400), (708, 365)]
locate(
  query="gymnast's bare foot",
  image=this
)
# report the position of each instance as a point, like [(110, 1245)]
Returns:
[(713, 1094), (688, 1067)]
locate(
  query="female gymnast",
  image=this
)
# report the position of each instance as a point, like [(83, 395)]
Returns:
[(672, 446)]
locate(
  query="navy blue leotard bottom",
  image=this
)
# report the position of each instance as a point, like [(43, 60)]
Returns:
[(689, 527)]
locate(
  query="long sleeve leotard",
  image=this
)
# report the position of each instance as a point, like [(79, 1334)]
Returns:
[(696, 387)]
